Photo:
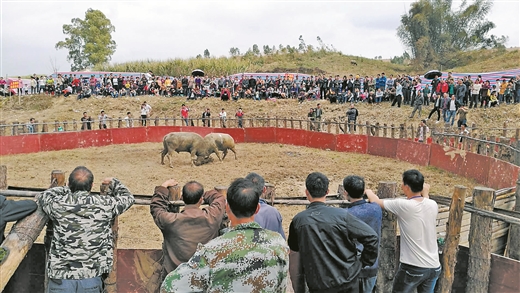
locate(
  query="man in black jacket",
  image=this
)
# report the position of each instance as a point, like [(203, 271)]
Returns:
[(11, 210), (326, 237)]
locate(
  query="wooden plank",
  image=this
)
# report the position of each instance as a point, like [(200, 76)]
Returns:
[(479, 263), (513, 245), (388, 242), (451, 246)]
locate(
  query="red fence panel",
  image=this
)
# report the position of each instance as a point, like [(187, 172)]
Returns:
[(94, 138), (413, 152), (291, 136), (382, 146), (157, 133), (354, 143), (447, 158), (129, 135), (502, 174), (476, 166), (21, 144), (260, 135), (58, 141), (320, 140)]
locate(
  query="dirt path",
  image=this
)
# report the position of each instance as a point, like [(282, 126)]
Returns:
[(138, 166)]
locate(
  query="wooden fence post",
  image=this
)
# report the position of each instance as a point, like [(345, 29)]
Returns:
[(65, 125), (368, 128), (15, 128), (387, 243), (392, 131), (2, 128), (513, 247), (111, 279), (480, 238), (451, 246), (19, 242), (74, 125), (3, 178), (119, 122), (504, 131), (45, 127)]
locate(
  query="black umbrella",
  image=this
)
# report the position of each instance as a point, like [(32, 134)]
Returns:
[(432, 74), (197, 72)]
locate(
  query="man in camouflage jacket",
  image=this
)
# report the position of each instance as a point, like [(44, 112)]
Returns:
[(81, 248), (247, 258)]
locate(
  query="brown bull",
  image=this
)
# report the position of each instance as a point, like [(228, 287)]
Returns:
[(190, 142), (223, 142)]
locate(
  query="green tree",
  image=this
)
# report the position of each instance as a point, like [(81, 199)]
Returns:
[(89, 40), (206, 53), (256, 50), (432, 29), (234, 52), (267, 50)]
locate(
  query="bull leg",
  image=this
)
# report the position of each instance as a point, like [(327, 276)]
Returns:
[(193, 158), (225, 154), (218, 155), (170, 159), (234, 152)]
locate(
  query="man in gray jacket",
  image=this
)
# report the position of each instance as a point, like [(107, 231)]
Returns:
[(417, 105), (460, 91)]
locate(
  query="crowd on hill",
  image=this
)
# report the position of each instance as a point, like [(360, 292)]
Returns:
[(348, 89), (235, 243)]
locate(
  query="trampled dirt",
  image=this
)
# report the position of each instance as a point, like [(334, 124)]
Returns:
[(286, 167)]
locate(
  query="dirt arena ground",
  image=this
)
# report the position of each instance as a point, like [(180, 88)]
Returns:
[(138, 166)]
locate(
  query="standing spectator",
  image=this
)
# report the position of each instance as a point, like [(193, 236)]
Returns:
[(222, 115), (417, 218), (484, 94), (437, 102), (103, 120), (422, 130), (20, 86), (352, 115), (86, 122), (30, 128), (417, 105), (311, 116), (267, 217), (323, 242), (206, 118), (129, 120), (33, 85), (475, 91), (371, 214), (398, 95), (318, 112), (81, 249), (182, 231), (144, 114), (453, 106), (379, 96), (517, 89), (11, 210), (445, 105), (462, 112), (460, 91), (247, 258), (240, 115), (185, 114)]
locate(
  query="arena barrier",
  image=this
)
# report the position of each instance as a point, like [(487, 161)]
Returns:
[(486, 170)]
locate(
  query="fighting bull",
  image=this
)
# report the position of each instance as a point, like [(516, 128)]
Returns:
[(223, 142), (199, 148)]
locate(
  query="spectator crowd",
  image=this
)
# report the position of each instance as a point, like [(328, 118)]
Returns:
[(399, 89), (235, 243)]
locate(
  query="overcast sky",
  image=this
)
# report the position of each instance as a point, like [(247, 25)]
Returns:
[(161, 30)]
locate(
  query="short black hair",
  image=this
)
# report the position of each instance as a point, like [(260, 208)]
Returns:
[(81, 179), (192, 192), (242, 198), (257, 180), (354, 186), (317, 184), (414, 179)]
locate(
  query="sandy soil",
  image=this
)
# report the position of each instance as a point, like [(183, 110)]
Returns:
[(138, 166)]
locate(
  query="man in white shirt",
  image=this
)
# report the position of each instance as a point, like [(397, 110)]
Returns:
[(419, 266), (222, 115)]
